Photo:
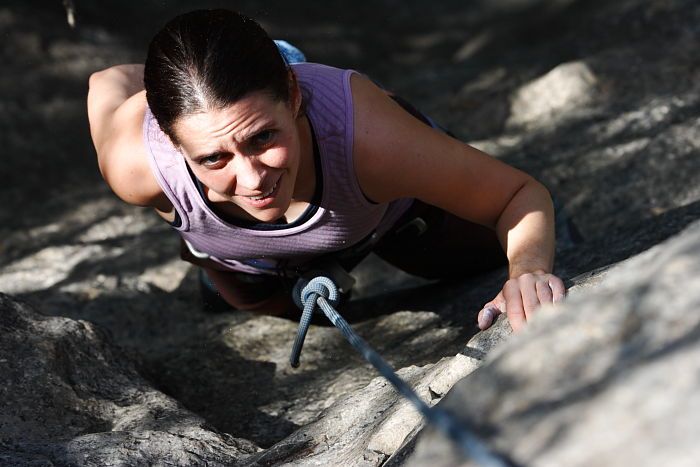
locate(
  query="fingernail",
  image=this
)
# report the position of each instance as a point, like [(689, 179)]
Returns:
[(486, 317)]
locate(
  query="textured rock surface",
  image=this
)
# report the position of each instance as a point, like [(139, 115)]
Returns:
[(371, 423), (69, 397), (610, 378), (600, 100)]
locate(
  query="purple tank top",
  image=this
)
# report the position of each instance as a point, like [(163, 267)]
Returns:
[(344, 216)]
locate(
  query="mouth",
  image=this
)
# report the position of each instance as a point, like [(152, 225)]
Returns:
[(261, 201), (265, 195)]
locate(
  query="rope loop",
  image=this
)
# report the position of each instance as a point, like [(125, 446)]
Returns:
[(320, 286), (306, 295)]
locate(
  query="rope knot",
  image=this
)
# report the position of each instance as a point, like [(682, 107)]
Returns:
[(322, 286), (307, 292)]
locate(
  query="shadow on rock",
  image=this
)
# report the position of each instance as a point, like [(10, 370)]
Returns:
[(71, 396), (211, 380)]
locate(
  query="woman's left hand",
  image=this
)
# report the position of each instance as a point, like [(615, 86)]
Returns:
[(521, 297)]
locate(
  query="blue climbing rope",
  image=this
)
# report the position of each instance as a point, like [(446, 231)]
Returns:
[(321, 292)]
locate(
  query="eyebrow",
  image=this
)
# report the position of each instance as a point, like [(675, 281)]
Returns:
[(247, 135), (268, 125)]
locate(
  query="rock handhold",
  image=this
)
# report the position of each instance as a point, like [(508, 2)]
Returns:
[(609, 378)]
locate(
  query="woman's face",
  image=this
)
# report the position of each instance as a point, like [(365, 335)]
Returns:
[(247, 154)]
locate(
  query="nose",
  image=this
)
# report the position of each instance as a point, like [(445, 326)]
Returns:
[(250, 174)]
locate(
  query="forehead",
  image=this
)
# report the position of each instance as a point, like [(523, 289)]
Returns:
[(238, 120)]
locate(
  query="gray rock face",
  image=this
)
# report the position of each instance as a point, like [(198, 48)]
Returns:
[(598, 100), (609, 378), (70, 398), (367, 426)]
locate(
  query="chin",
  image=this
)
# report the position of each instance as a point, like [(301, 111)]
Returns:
[(271, 215)]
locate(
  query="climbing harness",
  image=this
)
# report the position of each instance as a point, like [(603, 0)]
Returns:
[(321, 292)]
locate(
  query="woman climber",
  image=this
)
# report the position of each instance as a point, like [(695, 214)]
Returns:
[(269, 168)]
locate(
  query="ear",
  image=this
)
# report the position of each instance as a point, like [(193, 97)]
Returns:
[(295, 96)]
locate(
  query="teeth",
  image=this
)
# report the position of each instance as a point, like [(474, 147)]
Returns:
[(265, 195)]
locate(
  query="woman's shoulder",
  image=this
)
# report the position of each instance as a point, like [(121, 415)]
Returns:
[(396, 155), (123, 156)]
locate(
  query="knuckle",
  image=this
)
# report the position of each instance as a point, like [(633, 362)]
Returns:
[(529, 278), (512, 312)]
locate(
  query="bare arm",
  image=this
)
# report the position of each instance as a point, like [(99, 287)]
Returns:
[(116, 108), (397, 156)]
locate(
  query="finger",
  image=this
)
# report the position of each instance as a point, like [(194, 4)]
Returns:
[(544, 291), (487, 316), (514, 305), (528, 291), (499, 302), (558, 289)]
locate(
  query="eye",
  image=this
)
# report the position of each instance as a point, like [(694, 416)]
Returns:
[(262, 139), (212, 160)]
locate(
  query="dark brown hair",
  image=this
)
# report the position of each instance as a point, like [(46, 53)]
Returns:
[(210, 59)]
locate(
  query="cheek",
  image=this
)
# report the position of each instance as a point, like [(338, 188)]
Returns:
[(283, 156)]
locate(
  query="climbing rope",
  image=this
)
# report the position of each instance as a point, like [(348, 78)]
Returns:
[(321, 292)]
